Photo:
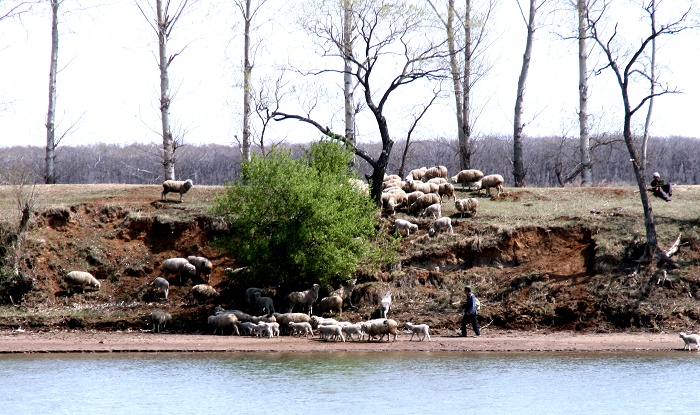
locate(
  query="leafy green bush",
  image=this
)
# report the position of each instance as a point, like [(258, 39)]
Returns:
[(297, 221)]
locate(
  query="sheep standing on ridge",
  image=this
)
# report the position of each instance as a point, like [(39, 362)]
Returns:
[(440, 225), (469, 205), (159, 319), (690, 340), (418, 329), (202, 265), (203, 292), (303, 298), (330, 303), (467, 177), (81, 279), (385, 305), (264, 304), (491, 181), (346, 292), (161, 284), (404, 225), (178, 266), (446, 189), (175, 186)]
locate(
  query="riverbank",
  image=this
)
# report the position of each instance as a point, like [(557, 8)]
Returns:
[(493, 341)]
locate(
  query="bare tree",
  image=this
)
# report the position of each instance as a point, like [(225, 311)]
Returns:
[(386, 31), (10, 9), (652, 84), (630, 71), (348, 88), (50, 172), (519, 171), (468, 38), (163, 26), (585, 142)]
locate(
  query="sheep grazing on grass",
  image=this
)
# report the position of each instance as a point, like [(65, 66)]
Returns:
[(469, 205), (491, 181), (441, 225), (180, 267), (437, 180), (413, 196), (202, 265), (81, 279), (392, 201), (332, 303), (264, 304), (331, 332), (175, 186), (405, 226), (381, 327), (424, 201), (161, 284), (159, 319), (434, 210), (437, 171), (203, 292), (385, 305), (223, 322), (446, 189), (467, 177), (418, 329), (305, 299), (690, 340), (301, 328), (346, 292)]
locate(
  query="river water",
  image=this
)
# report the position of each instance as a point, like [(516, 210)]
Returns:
[(351, 383)]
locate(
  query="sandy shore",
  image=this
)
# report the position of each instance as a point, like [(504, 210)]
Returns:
[(493, 341)]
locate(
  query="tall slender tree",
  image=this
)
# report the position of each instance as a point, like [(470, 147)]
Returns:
[(50, 171), (585, 141)]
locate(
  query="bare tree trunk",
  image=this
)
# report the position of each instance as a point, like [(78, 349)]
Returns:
[(518, 164), (465, 151), (50, 172), (585, 144), (347, 74), (652, 88), (163, 65), (247, 72)]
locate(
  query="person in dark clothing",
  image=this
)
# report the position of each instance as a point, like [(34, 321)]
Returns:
[(661, 188), (470, 313)]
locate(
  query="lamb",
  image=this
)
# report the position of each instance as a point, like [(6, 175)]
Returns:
[(467, 177), (424, 201), (492, 180), (418, 329), (179, 267), (159, 319), (262, 329), (202, 265), (416, 174), (319, 321), (223, 321), (381, 327), (331, 331), (81, 279), (469, 205), (354, 329), (689, 340), (299, 328), (442, 224), (390, 201), (448, 190), (303, 298), (404, 225), (161, 284), (437, 171), (385, 305), (203, 292), (330, 303), (264, 304), (432, 210), (175, 186), (346, 292)]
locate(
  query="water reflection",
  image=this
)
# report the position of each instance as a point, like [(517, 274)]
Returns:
[(350, 383)]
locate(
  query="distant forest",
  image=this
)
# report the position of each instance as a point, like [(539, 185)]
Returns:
[(548, 161)]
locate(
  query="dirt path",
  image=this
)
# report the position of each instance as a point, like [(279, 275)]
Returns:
[(495, 341)]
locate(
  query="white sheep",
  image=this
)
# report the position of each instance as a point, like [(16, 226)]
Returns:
[(262, 330), (424, 201), (434, 210), (159, 319), (404, 225), (381, 327), (81, 279), (389, 177), (180, 267), (416, 174), (328, 332), (345, 292), (299, 328), (468, 205), (240, 315), (467, 177), (354, 329), (393, 200), (385, 305), (305, 299), (359, 185), (202, 265), (175, 186), (689, 340), (418, 329), (319, 321), (286, 318), (161, 284), (413, 196), (329, 304), (440, 225), (437, 180), (223, 321), (203, 292), (446, 189), (424, 187), (491, 181), (437, 171)]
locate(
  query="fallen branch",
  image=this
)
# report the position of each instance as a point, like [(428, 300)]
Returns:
[(674, 248)]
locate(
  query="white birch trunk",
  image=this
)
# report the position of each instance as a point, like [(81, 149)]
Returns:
[(50, 173), (518, 164), (584, 144), (247, 91), (163, 64), (347, 74)]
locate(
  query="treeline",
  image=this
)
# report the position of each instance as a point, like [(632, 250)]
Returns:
[(548, 161)]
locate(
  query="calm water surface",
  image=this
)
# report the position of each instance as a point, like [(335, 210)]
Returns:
[(351, 383)]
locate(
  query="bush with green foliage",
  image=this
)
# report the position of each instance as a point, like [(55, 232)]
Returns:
[(298, 221)]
